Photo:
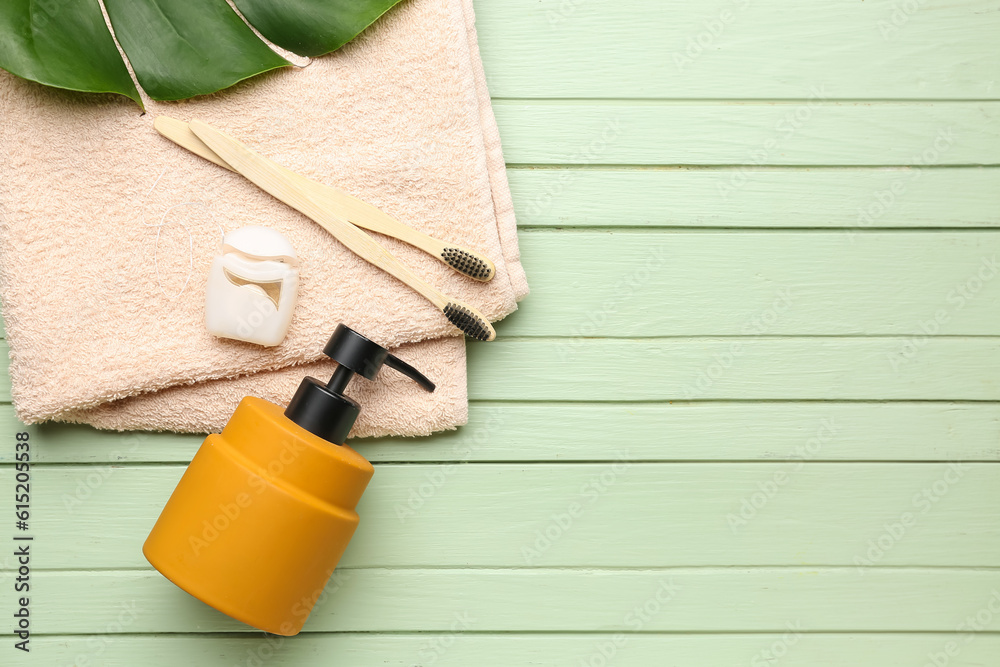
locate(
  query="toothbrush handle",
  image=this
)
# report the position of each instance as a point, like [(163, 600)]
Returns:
[(274, 179), (361, 213)]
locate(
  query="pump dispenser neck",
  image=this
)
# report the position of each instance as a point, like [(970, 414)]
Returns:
[(341, 377), (323, 409)]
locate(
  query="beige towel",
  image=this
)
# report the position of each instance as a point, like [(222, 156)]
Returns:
[(108, 231)]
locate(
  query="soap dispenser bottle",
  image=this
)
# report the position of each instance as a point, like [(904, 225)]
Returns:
[(264, 512)]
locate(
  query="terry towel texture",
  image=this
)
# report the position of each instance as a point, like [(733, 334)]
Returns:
[(107, 231)]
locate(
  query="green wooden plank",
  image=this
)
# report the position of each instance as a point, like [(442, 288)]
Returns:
[(738, 49), (4, 372), (678, 431), (698, 600), (55, 443), (812, 132), (820, 368), (851, 198), (77, 443), (701, 283), (465, 647), (515, 515)]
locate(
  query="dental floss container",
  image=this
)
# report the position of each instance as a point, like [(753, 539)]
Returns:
[(252, 287)]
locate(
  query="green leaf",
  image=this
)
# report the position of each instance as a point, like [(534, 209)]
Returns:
[(62, 43), (182, 48), (311, 28), (177, 48)]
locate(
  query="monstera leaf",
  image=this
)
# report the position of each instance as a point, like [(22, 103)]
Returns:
[(177, 48)]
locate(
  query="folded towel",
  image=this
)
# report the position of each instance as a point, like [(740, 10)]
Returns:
[(394, 405), (107, 232)]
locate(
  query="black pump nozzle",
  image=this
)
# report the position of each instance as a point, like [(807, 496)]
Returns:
[(397, 364), (324, 410)]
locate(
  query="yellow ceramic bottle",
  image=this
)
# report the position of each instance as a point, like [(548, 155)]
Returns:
[(264, 512)]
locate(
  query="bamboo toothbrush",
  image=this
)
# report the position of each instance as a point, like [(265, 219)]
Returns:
[(275, 180), (361, 213)]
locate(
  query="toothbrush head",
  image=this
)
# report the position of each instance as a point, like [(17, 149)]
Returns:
[(469, 263), (470, 322)]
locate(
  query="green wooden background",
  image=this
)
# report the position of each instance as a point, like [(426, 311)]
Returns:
[(761, 358)]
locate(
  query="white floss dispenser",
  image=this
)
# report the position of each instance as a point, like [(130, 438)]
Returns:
[(252, 287)]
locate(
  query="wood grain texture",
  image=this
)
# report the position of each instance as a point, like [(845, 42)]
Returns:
[(465, 648), (749, 49), (810, 132), (675, 431), (855, 199), (781, 283), (821, 368), (419, 600), (591, 515)]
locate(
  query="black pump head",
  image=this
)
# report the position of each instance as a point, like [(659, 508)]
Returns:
[(322, 409)]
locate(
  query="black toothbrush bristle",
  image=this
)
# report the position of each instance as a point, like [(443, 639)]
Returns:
[(465, 262), (469, 322)]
